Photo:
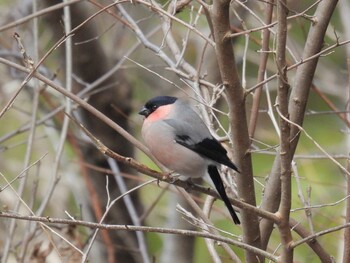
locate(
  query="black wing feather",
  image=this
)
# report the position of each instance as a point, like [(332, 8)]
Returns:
[(209, 148)]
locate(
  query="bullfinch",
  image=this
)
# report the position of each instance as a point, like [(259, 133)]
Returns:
[(179, 139)]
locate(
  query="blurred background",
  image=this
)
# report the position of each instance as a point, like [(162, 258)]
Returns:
[(116, 58)]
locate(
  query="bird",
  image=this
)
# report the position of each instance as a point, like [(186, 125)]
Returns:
[(179, 139)]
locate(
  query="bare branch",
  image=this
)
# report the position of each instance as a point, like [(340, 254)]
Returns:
[(297, 105), (261, 71), (240, 137), (51, 220)]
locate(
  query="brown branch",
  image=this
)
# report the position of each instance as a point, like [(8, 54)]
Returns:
[(304, 75), (296, 108), (55, 46), (268, 25), (331, 105), (94, 199), (51, 220), (304, 60), (285, 153), (346, 246), (318, 234), (240, 137), (164, 13), (313, 243), (84, 167), (38, 14), (261, 71)]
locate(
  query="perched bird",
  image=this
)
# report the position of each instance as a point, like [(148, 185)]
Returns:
[(178, 138)]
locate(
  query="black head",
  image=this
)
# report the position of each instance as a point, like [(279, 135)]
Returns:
[(155, 103)]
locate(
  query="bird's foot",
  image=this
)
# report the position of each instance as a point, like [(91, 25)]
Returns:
[(189, 184), (170, 177)]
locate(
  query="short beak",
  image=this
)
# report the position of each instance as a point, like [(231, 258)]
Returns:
[(144, 111)]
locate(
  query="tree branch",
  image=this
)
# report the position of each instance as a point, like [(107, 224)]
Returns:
[(262, 70), (51, 220), (296, 107), (240, 138), (285, 153), (313, 243)]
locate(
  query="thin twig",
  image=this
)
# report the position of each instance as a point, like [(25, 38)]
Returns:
[(301, 196), (285, 152), (130, 206), (322, 205), (109, 205), (23, 173), (318, 234), (52, 220), (206, 220), (303, 61), (37, 14), (209, 201), (55, 177), (43, 226), (29, 150), (340, 166), (261, 70)]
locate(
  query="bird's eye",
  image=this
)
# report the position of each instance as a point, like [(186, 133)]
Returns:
[(154, 107)]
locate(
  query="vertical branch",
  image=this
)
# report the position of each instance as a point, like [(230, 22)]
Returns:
[(239, 128), (30, 228), (30, 144), (314, 244), (296, 108), (285, 153), (68, 107), (305, 73), (262, 69), (346, 249)]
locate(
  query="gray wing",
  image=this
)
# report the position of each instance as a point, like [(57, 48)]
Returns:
[(188, 128), (188, 124), (191, 132)]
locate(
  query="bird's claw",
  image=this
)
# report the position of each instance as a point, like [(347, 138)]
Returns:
[(170, 177), (189, 184)]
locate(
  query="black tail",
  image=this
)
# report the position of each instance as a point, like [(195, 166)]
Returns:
[(215, 177)]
